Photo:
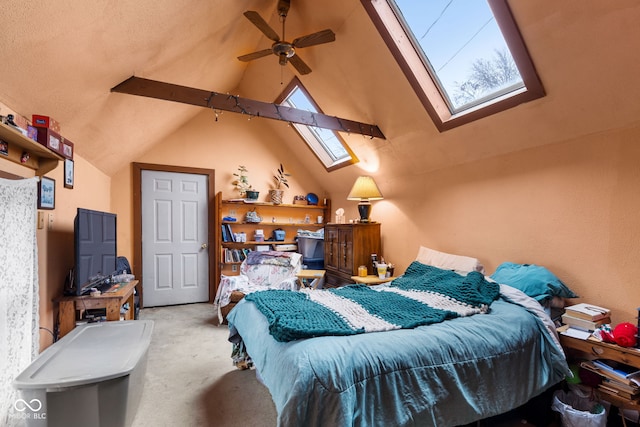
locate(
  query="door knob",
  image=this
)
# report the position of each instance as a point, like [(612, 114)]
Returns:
[(204, 246)]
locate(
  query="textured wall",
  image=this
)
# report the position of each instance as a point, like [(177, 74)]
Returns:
[(572, 207)]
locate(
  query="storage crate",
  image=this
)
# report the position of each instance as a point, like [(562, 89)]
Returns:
[(313, 263), (311, 247)]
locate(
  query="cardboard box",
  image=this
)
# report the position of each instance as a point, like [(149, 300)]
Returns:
[(67, 148), (21, 121), (55, 142), (50, 139), (45, 122)]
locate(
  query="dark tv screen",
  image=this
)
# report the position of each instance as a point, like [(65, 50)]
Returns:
[(95, 248)]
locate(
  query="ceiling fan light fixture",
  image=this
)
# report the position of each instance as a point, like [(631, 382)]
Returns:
[(283, 49)]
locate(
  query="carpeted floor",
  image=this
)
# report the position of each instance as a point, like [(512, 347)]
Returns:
[(191, 381)]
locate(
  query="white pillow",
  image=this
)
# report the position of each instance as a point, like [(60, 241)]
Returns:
[(445, 261)]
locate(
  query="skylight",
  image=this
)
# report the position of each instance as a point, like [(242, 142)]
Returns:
[(327, 145), (464, 58)]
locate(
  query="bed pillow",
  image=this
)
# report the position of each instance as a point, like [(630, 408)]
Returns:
[(445, 261), (534, 280)]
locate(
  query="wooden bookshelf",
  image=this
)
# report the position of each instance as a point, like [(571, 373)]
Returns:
[(285, 216)]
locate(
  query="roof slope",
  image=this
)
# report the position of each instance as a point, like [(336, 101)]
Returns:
[(62, 58)]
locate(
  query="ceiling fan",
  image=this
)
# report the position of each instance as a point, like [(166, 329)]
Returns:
[(285, 51)]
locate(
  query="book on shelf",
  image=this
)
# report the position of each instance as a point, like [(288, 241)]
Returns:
[(234, 255), (587, 325), (227, 233), (620, 389), (624, 374), (588, 312), (232, 237), (613, 392)]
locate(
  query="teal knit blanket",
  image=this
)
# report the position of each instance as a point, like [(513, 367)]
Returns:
[(422, 296)]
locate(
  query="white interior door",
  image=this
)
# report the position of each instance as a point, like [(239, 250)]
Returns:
[(175, 260)]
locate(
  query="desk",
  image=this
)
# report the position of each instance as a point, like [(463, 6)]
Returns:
[(371, 279), (310, 278), (591, 349), (112, 301)]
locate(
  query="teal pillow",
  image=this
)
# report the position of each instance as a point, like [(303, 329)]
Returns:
[(534, 280)]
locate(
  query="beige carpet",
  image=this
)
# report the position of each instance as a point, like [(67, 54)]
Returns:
[(191, 381)]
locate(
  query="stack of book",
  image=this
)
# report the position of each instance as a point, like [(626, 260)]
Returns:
[(586, 316), (617, 379)]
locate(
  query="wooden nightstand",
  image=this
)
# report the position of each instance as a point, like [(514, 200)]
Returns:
[(576, 348), (371, 279)]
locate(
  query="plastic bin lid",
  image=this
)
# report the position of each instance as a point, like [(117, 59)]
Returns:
[(89, 354)]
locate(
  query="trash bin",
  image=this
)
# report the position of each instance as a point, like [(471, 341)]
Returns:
[(577, 408), (94, 376), (312, 250)]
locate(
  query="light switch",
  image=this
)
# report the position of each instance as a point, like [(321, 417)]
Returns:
[(40, 220)]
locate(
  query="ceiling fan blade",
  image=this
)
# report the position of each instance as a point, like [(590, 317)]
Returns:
[(324, 36), (255, 55), (299, 65), (262, 25)]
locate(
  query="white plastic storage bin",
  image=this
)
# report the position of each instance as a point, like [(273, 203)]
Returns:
[(94, 376), (311, 247)]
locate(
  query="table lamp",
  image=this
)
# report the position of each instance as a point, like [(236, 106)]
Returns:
[(364, 190)]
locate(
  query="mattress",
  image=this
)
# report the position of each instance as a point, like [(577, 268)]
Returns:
[(449, 373)]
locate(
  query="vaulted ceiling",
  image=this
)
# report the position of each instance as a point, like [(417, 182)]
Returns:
[(61, 59)]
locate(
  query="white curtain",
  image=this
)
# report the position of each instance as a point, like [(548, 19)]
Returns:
[(19, 322)]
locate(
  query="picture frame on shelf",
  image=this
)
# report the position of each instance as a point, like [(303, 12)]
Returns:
[(68, 173), (46, 193)]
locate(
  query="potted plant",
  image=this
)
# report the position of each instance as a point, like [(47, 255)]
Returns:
[(281, 179), (241, 183)]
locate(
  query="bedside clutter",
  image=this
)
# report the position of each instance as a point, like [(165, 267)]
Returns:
[(586, 316), (606, 362)]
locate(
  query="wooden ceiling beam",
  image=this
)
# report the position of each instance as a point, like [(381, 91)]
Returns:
[(224, 102)]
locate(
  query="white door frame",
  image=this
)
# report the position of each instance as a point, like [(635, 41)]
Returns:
[(136, 263)]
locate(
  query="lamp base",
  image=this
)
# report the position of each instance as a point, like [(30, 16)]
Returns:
[(364, 208)]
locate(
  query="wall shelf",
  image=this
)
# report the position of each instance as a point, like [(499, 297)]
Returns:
[(41, 159)]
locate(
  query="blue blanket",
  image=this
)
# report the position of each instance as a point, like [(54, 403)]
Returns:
[(422, 296)]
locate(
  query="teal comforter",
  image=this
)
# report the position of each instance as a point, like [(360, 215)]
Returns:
[(444, 374)]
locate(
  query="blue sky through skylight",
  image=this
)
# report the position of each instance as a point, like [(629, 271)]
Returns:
[(453, 34), (326, 137)]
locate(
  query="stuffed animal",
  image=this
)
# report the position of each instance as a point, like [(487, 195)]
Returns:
[(625, 334)]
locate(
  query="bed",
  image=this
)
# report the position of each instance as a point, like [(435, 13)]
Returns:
[(447, 373)]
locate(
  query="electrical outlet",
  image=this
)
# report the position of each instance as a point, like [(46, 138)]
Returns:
[(234, 268), (50, 221)]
